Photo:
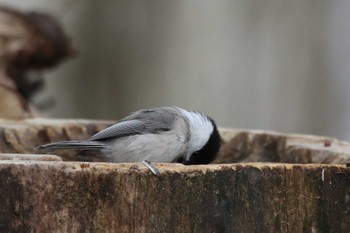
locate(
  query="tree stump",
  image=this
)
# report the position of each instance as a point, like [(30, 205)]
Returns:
[(250, 196)]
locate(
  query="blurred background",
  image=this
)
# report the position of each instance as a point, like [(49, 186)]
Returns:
[(272, 64)]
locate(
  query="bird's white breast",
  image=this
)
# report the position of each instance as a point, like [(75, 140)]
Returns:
[(162, 147)]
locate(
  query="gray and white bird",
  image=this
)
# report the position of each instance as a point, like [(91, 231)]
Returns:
[(166, 134)]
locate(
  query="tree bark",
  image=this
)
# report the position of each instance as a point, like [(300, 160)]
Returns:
[(101, 197)]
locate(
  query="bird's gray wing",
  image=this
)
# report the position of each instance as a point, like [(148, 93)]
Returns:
[(129, 127), (140, 122), (120, 129)]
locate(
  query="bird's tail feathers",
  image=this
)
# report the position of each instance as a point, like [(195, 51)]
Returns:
[(73, 145)]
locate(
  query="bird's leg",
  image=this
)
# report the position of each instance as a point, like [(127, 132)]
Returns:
[(151, 167)]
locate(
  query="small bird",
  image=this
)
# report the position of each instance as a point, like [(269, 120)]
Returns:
[(166, 134)]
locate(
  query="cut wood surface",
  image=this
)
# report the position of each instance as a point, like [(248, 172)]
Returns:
[(57, 196), (237, 145), (33, 157), (23, 136), (267, 146)]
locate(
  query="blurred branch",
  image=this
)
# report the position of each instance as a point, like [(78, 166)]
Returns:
[(29, 43)]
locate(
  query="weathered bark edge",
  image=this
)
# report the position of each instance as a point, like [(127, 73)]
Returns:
[(237, 145)]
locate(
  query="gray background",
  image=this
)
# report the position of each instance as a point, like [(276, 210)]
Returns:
[(256, 64)]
